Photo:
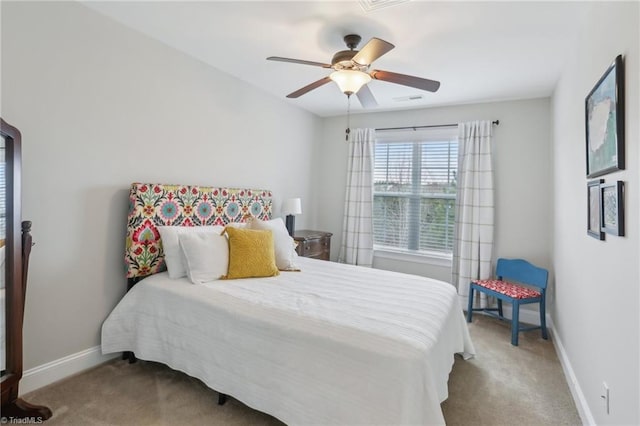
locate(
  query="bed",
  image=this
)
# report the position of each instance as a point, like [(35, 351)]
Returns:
[(329, 344)]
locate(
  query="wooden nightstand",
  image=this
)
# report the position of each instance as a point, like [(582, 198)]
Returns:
[(315, 244)]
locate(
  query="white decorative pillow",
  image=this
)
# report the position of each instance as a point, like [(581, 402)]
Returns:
[(285, 246), (206, 256), (171, 247)]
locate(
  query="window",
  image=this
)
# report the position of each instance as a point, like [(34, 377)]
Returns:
[(415, 190)]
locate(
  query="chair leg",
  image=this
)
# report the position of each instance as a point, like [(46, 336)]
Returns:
[(500, 308), (543, 320), (470, 305), (515, 323)]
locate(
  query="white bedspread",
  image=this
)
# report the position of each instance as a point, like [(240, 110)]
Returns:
[(334, 344)]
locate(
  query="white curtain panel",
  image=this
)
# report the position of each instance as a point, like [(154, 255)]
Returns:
[(356, 247), (474, 209)]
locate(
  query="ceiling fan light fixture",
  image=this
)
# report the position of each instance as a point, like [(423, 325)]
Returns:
[(350, 81)]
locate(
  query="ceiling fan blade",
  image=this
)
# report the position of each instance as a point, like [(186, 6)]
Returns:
[(298, 61), (309, 87), (406, 80), (366, 97), (372, 51)]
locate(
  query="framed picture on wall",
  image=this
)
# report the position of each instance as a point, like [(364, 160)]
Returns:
[(604, 119), (612, 210), (594, 209)]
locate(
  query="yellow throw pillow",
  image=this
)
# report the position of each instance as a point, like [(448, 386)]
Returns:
[(251, 254)]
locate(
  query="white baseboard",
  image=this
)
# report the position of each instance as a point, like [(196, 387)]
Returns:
[(533, 317), (578, 396), (53, 371)]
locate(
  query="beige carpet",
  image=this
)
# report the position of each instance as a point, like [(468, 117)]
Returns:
[(503, 385)]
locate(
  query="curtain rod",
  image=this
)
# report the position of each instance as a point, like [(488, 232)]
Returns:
[(496, 122)]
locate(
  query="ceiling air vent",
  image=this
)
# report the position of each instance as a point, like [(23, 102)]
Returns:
[(408, 98), (369, 5)]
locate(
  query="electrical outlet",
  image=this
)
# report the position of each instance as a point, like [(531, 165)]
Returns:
[(605, 396)]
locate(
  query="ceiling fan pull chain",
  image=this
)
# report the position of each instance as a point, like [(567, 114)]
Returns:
[(348, 118)]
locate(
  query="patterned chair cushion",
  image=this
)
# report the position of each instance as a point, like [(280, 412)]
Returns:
[(512, 290)]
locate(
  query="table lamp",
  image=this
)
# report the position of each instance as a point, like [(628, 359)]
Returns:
[(291, 207)]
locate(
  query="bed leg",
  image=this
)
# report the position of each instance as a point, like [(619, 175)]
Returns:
[(222, 398), (130, 356)]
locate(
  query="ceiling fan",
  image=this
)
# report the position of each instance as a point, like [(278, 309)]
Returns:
[(351, 71)]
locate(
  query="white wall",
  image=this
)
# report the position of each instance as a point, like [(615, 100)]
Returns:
[(101, 106), (522, 164), (597, 297)]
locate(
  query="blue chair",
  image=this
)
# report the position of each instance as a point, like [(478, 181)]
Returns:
[(521, 272)]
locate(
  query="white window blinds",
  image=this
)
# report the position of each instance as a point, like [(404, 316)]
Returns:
[(415, 189)]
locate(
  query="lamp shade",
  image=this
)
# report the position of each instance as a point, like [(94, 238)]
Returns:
[(292, 206), (350, 81)]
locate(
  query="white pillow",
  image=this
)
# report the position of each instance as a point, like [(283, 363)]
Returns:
[(284, 245), (171, 246), (206, 256)]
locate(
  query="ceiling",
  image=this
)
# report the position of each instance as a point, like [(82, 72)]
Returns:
[(479, 51)]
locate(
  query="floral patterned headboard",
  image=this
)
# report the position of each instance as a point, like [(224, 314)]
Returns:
[(152, 205)]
